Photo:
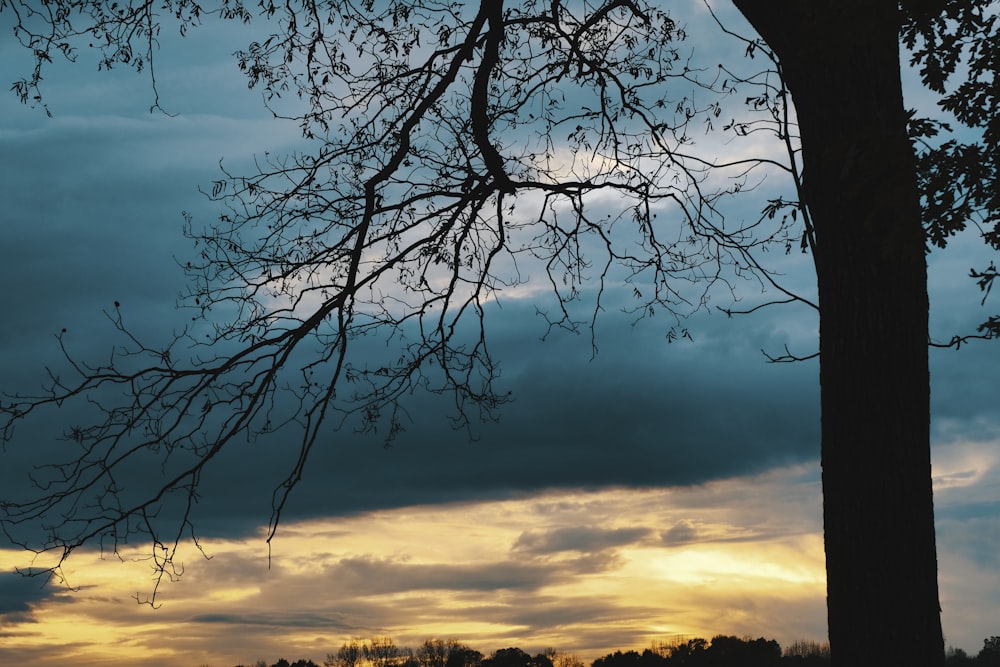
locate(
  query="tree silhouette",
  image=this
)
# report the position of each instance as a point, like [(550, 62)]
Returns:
[(957, 656), (383, 651), (452, 147), (728, 650), (862, 192), (990, 653), (806, 654), (379, 651), (348, 655), (631, 659), (442, 653), (508, 657), (464, 657)]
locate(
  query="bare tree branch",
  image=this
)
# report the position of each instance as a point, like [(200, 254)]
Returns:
[(455, 151)]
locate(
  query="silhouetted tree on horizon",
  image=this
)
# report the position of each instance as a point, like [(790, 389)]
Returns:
[(721, 651)]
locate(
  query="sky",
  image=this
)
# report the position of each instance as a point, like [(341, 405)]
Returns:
[(653, 491)]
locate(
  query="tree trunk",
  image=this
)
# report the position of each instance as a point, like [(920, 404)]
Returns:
[(840, 59)]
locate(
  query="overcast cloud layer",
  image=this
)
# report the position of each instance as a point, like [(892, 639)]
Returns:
[(92, 203)]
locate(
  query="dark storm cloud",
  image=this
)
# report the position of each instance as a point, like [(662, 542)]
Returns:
[(642, 413), (92, 215)]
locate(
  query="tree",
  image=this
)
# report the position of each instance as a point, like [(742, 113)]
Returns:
[(464, 657), (862, 193), (618, 659), (437, 652), (957, 656), (348, 655), (446, 653), (806, 653), (746, 652), (990, 653), (691, 652), (434, 128), (383, 652), (869, 256), (508, 657), (378, 651), (647, 658), (560, 659)]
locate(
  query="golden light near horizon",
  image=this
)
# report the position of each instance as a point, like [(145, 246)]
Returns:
[(586, 572)]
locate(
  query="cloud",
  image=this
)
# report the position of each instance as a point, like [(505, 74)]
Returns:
[(678, 414), (371, 576), (514, 536), (642, 413), (278, 618), (585, 570), (577, 538), (19, 595), (680, 533)]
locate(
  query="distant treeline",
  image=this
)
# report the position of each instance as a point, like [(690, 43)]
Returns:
[(720, 651)]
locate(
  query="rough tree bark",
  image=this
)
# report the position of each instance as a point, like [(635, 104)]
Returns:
[(840, 60)]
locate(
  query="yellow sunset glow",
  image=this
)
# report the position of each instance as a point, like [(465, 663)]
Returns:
[(585, 572)]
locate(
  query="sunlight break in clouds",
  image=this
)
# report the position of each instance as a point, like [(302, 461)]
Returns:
[(585, 572)]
